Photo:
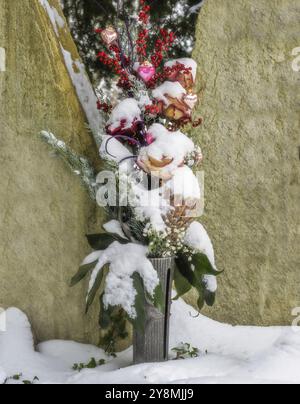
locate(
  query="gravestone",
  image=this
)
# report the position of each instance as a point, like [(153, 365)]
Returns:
[(45, 213), (249, 85)]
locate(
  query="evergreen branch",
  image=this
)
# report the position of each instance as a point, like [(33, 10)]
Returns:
[(79, 165)]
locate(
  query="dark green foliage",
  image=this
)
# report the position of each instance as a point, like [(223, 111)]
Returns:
[(84, 15), (18, 378), (190, 273), (114, 320), (140, 303), (185, 351), (92, 364), (182, 285), (36, 379), (84, 270), (99, 287), (102, 241), (159, 300)]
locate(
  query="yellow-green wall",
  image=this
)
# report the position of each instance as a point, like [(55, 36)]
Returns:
[(251, 137)]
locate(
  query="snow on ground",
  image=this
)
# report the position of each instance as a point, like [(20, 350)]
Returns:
[(230, 355)]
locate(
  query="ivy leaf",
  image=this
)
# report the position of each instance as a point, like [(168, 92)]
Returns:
[(182, 285), (84, 270), (140, 303), (105, 315), (100, 242), (92, 364), (99, 285)]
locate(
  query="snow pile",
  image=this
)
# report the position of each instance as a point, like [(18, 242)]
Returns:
[(125, 115), (2, 376), (229, 355), (197, 238), (170, 89), (123, 261), (17, 354), (69, 352), (187, 62)]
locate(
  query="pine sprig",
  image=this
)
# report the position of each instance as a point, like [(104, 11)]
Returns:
[(79, 165)]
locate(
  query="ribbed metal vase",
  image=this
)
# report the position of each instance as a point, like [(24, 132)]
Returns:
[(153, 344)]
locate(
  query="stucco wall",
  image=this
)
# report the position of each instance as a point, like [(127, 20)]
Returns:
[(251, 136), (44, 212)]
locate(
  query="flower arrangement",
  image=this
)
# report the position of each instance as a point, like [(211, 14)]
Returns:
[(145, 148)]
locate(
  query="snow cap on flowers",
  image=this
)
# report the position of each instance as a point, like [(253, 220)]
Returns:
[(171, 98), (166, 153), (183, 70), (124, 117)]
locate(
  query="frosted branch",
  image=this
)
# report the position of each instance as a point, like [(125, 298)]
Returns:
[(79, 165)]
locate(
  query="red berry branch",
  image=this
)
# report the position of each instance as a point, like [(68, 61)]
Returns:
[(144, 15), (112, 62), (162, 46), (141, 43)]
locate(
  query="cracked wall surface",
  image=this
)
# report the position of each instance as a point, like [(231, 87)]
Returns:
[(251, 136)]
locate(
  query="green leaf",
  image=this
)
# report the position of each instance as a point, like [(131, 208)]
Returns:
[(185, 268), (99, 285), (200, 301), (182, 285), (203, 266), (92, 364), (84, 270), (159, 301), (209, 297), (140, 303), (190, 273), (100, 242)]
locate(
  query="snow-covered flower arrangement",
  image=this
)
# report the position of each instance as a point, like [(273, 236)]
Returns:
[(145, 148)]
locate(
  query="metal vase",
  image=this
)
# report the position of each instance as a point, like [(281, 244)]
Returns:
[(153, 344)]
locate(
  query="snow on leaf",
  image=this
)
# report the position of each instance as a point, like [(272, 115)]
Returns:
[(124, 261), (114, 227), (198, 239)]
